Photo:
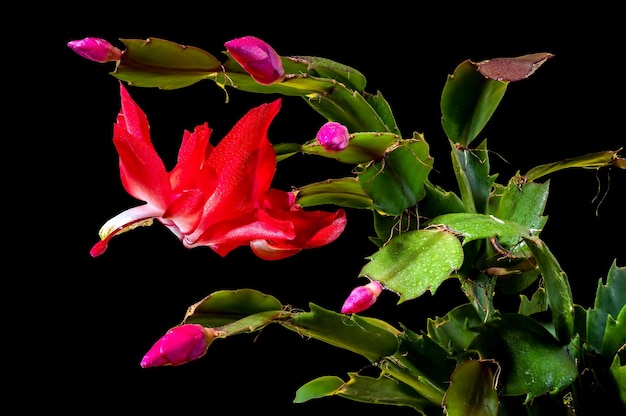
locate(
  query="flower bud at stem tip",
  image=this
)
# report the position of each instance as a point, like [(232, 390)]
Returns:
[(95, 49)]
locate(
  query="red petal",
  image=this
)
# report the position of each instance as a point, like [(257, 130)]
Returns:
[(313, 228), (186, 210), (192, 155), (136, 122), (245, 163), (142, 171)]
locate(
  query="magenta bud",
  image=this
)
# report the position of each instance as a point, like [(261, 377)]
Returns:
[(333, 136), (362, 297), (179, 345), (95, 49), (258, 58)]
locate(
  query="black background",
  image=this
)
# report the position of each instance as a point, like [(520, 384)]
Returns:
[(95, 318)]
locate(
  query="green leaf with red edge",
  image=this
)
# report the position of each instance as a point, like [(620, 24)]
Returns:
[(167, 65)]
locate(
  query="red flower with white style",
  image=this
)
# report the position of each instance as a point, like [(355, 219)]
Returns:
[(219, 196)]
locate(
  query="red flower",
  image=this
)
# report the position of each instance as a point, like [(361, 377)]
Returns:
[(218, 197)]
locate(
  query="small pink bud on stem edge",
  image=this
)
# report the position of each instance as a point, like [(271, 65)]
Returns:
[(362, 297), (333, 136)]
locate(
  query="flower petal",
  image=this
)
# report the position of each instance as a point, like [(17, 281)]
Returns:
[(245, 163), (193, 153), (142, 171), (124, 221)]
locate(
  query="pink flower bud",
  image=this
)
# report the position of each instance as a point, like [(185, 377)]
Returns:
[(362, 297), (179, 345), (95, 49), (333, 136), (258, 58)]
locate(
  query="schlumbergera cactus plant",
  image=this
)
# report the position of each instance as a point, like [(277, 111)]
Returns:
[(550, 356)]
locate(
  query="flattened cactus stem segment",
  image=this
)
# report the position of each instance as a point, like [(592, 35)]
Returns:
[(400, 368)]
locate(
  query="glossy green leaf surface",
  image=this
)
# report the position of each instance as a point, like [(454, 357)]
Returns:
[(332, 99), (226, 306), (399, 368), (297, 86), (415, 261), (480, 291), (369, 337), (523, 204), (250, 323), (477, 226), (536, 304), (468, 101), (471, 168), (606, 322), (532, 361), (380, 390), (167, 65), (326, 68), (396, 182), (518, 276), (286, 150), (320, 387), (344, 192), (472, 391), (428, 358), (383, 109), (558, 291), (591, 160), (454, 330), (438, 201), (349, 108), (618, 371)]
